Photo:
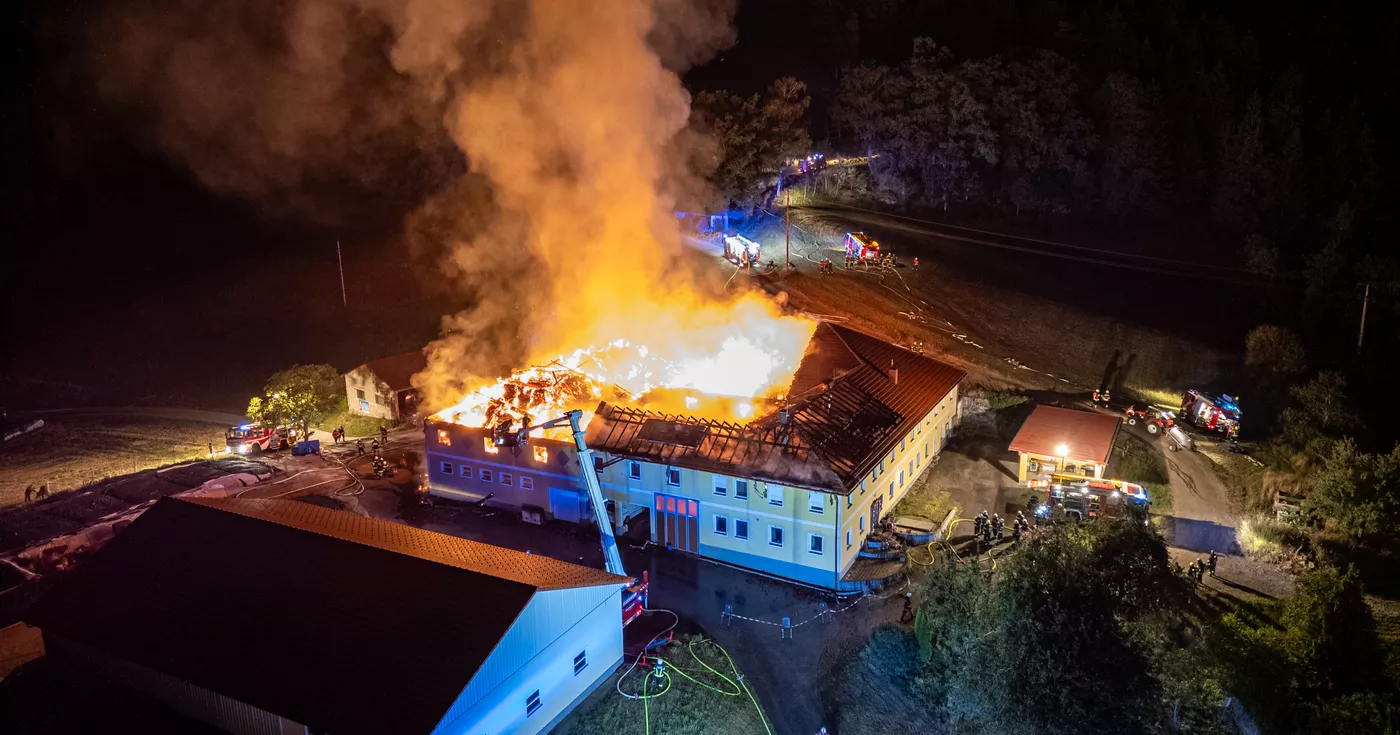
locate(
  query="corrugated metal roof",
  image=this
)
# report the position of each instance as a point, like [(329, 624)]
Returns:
[(398, 371), (1086, 436), (534, 570), (339, 622), (852, 398)]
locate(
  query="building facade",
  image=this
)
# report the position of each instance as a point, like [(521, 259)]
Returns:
[(383, 388), (794, 502), (1064, 441)]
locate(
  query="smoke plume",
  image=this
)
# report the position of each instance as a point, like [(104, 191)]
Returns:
[(568, 117)]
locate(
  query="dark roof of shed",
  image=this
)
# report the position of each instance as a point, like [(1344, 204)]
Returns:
[(342, 623), (398, 371), (852, 398), (1086, 435)]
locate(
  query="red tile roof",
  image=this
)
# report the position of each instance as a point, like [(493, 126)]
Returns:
[(1087, 436)]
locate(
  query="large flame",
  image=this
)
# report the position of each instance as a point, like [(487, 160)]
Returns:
[(722, 360)]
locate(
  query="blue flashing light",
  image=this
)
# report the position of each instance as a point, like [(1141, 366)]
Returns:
[(1042, 510)]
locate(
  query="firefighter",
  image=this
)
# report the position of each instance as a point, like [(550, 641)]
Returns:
[(383, 435), (1191, 572), (1210, 564), (916, 262), (29, 493), (1016, 533), (359, 447), (998, 528), (341, 429), (43, 491)]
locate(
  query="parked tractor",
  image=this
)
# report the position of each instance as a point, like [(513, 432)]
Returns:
[(1155, 419)]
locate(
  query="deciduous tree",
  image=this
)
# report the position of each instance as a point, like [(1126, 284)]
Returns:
[(299, 396)]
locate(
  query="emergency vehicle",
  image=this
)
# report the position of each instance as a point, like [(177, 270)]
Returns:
[(254, 438), (741, 250), (1082, 497), (1208, 412), (810, 164), (862, 247)]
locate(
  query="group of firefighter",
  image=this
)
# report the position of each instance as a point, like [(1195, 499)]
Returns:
[(991, 528), (1196, 571)]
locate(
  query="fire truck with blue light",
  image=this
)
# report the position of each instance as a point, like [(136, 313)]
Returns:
[(1219, 414), (254, 438)]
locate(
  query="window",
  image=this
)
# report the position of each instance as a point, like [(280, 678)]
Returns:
[(721, 526), (486, 475), (464, 471), (673, 477), (862, 487), (489, 445), (891, 489), (359, 394), (580, 662), (879, 467), (379, 400), (741, 489), (849, 500), (634, 470), (444, 438), (848, 538), (741, 529), (506, 479), (901, 445), (775, 495), (901, 479), (532, 703), (862, 523), (815, 542), (527, 483), (541, 454), (446, 468), (597, 464), (816, 502), (721, 486), (775, 536)]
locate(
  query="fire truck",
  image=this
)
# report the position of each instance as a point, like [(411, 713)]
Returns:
[(1081, 497), (862, 247), (1220, 414), (741, 250), (254, 438)]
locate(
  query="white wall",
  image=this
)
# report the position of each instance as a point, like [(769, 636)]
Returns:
[(511, 673)]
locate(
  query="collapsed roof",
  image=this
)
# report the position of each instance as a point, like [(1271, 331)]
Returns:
[(851, 400)]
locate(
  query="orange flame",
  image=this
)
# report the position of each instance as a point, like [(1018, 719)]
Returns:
[(725, 359)]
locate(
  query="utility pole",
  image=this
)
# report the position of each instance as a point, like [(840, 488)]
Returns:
[(340, 264), (1362, 334), (787, 217)]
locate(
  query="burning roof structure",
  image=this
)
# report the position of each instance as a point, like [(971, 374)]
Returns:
[(851, 400)]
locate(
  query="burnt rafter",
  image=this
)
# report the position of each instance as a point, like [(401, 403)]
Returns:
[(836, 428)]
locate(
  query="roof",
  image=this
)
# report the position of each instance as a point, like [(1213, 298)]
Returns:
[(1087, 436), (343, 623), (851, 400), (398, 371)]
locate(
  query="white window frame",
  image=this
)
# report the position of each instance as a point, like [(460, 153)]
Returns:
[(745, 526), (891, 490), (673, 472), (445, 468), (527, 483), (741, 485), (848, 538), (506, 479), (719, 519), (721, 486), (464, 470), (820, 544), (781, 538), (484, 475), (775, 495), (862, 520), (819, 506), (901, 479), (634, 469)]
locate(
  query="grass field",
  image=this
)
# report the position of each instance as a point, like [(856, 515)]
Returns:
[(702, 696), (355, 424), (72, 451)]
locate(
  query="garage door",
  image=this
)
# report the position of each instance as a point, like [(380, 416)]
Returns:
[(677, 522)]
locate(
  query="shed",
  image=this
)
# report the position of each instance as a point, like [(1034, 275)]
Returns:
[(1064, 440), (271, 617), (383, 388)]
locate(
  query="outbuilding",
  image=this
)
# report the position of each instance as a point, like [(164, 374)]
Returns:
[(1064, 441), (383, 388), (277, 617)]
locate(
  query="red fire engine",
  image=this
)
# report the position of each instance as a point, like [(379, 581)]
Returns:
[(1207, 412), (254, 438), (862, 247)]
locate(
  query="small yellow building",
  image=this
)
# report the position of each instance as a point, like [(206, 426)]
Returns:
[(1064, 440)]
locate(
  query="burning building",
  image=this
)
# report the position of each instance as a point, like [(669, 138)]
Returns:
[(786, 480)]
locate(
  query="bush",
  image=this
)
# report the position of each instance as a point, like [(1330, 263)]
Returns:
[(1138, 462), (1267, 538), (1001, 399)]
